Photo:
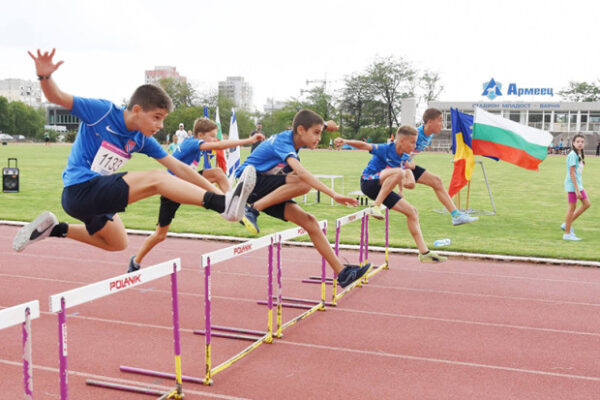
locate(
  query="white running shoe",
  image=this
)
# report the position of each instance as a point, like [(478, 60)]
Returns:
[(235, 199), (463, 218), (376, 212), (563, 226), (570, 236), (39, 229)]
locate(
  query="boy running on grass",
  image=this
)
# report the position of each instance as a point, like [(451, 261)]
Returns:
[(384, 172), (280, 177), (205, 138), (94, 191), (432, 125)]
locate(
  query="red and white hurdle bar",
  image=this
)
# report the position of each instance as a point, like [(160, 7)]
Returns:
[(23, 314), (71, 298)]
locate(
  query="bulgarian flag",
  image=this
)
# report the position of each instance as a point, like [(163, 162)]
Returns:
[(221, 162), (508, 140)]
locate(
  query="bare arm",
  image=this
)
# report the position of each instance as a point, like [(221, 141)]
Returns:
[(183, 171), (354, 143), (574, 180), (227, 144), (308, 178), (45, 67)]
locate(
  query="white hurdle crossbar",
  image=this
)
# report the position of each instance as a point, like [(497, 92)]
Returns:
[(70, 298), (23, 314)]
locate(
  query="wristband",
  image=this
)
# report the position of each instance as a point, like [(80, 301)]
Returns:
[(42, 77)]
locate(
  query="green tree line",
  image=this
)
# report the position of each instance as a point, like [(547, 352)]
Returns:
[(17, 118)]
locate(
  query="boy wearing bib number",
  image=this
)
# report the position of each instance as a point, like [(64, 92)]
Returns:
[(94, 189), (204, 139)]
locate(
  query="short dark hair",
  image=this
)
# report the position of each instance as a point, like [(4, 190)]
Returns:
[(406, 130), (150, 97), (431, 113), (307, 119), (203, 125)]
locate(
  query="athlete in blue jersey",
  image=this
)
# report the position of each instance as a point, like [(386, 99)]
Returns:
[(189, 152), (432, 125), (94, 189), (383, 173), (280, 177)]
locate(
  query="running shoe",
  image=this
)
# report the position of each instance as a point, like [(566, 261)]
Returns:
[(375, 212), (39, 229), (462, 219), (249, 220), (563, 226), (133, 266), (352, 273), (570, 236), (235, 199), (431, 257)]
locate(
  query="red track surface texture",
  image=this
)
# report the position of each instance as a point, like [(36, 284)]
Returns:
[(458, 330)]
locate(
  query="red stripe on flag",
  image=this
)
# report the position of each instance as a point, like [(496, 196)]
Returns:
[(458, 180), (506, 153)]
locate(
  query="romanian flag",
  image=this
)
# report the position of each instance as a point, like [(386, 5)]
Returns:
[(508, 140), (221, 161), (464, 161)]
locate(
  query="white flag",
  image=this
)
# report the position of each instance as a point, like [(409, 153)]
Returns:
[(233, 158)]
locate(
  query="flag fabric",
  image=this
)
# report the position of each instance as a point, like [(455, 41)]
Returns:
[(207, 154), (221, 161), (464, 160), (508, 140), (233, 158)]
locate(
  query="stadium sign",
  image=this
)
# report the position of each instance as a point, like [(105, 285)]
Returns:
[(493, 89)]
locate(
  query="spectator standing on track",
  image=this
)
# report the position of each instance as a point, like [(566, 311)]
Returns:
[(384, 172), (94, 189), (281, 177)]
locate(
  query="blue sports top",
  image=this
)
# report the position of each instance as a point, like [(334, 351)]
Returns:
[(384, 156), (271, 153), (422, 140), (189, 152), (103, 144)]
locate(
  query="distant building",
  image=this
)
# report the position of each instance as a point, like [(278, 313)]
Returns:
[(28, 92), (161, 72), (273, 105), (59, 116), (238, 90)]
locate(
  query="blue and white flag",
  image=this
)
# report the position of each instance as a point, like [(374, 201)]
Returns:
[(233, 158)]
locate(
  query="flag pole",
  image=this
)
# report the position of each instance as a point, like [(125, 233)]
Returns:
[(468, 193)]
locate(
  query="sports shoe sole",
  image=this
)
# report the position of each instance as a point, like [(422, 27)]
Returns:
[(249, 225), (46, 221), (248, 180), (464, 222), (379, 217)]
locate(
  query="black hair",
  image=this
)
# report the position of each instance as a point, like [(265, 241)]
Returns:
[(307, 119), (580, 155)]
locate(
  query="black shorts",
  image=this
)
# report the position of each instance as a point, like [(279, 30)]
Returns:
[(371, 188), (167, 211), (417, 172), (96, 201), (265, 184)]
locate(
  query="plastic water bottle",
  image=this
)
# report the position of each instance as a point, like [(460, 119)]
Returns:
[(442, 242)]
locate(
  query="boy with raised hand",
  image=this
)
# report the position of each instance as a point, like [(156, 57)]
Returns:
[(204, 139), (385, 171), (94, 191), (280, 177), (432, 125)]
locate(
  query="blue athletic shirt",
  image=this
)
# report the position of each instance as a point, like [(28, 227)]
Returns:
[(189, 152), (384, 156), (422, 140), (271, 153), (103, 132)]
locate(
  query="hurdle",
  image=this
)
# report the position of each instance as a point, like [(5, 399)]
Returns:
[(258, 337), (71, 298), (364, 246), (23, 314)]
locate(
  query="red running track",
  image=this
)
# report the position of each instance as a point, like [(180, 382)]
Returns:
[(458, 330)]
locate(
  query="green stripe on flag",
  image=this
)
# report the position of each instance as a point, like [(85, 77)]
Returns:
[(508, 138)]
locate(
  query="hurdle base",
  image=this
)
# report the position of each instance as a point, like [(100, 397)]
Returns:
[(158, 374), (173, 394)]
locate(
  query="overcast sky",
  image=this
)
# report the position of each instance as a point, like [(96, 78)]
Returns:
[(278, 45)]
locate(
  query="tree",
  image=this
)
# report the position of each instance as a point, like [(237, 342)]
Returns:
[(4, 115), (24, 120), (430, 84), (181, 92), (356, 95), (581, 92), (392, 80)]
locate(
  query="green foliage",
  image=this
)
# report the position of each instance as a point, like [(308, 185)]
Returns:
[(24, 120), (182, 93), (581, 91), (4, 115)]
